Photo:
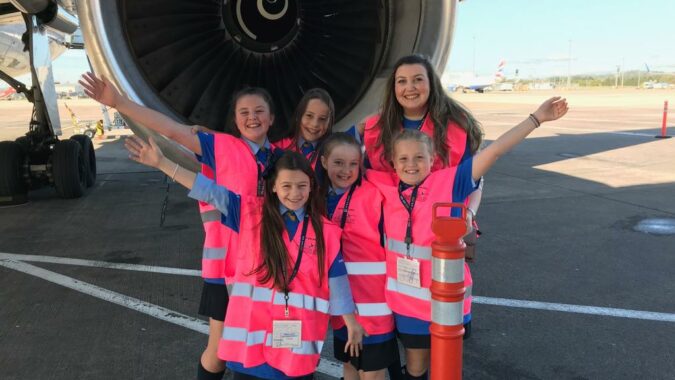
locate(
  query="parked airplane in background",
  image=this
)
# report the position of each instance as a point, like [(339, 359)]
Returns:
[(6, 93), (469, 81)]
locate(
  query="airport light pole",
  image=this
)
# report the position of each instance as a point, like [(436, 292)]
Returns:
[(569, 66)]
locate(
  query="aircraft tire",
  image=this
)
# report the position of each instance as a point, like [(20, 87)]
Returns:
[(68, 169), (89, 158), (13, 189)]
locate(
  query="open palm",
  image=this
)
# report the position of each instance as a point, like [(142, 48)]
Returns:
[(552, 109), (100, 90)]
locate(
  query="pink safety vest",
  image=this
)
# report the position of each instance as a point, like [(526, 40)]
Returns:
[(247, 332), (437, 187), (237, 170), (456, 141), (215, 248), (287, 144), (365, 259)]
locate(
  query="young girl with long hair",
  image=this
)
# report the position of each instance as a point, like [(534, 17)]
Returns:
[(290, 275), (354, 204), (408, 197), (311, 124)]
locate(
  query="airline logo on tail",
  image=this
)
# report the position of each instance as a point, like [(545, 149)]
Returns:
[(7, 93), (499, 75)]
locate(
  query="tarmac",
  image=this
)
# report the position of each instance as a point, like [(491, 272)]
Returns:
[(565, 286)]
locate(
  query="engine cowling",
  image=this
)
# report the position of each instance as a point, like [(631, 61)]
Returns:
[(186, 58)]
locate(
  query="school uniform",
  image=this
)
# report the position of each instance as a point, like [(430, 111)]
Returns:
[(357, 210), (249, 344), (407, 217)]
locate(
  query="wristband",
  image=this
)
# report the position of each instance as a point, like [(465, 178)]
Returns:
[(534, 119), (174, 173)]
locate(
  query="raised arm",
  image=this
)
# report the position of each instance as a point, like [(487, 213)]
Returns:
[(101, 90), (149, 154), (552, 109)]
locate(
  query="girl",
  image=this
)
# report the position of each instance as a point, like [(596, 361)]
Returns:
[(311, 125), (354, 204), (409, 194), (237, 162), (283, 293)]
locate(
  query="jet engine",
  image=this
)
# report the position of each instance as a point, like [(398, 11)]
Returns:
[(186, 58)]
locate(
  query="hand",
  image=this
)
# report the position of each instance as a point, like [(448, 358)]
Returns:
[(355, 334), (552, 109), (100, 90), (142, 152), (469, 222)]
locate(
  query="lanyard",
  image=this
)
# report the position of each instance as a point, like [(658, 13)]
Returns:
[(296, 267), (345, 209), (408, 207), (261, 180)]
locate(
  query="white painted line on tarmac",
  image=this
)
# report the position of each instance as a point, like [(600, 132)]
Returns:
[(567, 308), (101, 264), (585, 130), (152, 310), (326, 366)]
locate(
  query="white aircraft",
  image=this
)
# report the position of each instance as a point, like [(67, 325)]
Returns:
[(32, 34), (469, 81)]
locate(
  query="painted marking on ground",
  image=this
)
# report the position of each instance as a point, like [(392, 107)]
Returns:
[(567, 308), (108, 295), (100, 264)]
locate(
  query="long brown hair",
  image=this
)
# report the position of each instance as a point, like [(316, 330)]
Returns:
[(275, 256), (296, 121), (231, 126), (440, 108)]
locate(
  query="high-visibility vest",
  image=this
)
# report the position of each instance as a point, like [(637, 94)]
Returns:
[(236, 169), (253, 306), (287, 144), (213, 252), (456, 141), (402, 298), (365, 259)]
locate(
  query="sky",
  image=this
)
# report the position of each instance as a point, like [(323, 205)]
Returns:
[(535, 36)]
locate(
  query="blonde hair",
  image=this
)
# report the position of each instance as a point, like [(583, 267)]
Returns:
[(412, 135)]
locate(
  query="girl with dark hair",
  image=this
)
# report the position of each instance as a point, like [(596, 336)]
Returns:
[(311, 124), (355, 205), (237, 160), (290, 276), (408, 195)]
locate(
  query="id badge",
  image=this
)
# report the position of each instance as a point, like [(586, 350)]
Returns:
[(286, 334), (408, 272)]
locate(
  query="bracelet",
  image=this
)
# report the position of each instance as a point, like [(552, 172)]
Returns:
[(534, 119), (174, 173), (473, 213)]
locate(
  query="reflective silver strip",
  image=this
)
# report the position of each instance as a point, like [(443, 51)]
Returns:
[(302, 301), (411, 291), (447, 270), (373, 309), (214, 253), (447, 313), (416, 251), (211, 216), (255, 293), (309, 347), (367, 268), (467, 292), (239, 334)]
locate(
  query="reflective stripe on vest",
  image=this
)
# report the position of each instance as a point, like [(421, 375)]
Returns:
[(260, 294), (416, 251), (309, 347), (366, 268), (373, 309), (239, 334), (211, 216), (420, 293), (214, 253)]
